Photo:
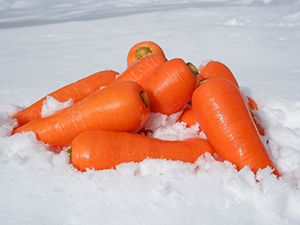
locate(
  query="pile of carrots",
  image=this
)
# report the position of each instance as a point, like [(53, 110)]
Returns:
[(101, 129)]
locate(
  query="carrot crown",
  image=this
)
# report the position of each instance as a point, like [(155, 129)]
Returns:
[(145, 98), (142, 52), (70, 153), (192, 68)]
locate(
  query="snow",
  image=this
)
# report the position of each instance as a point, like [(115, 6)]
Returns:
[(51, 105), (45, 45)]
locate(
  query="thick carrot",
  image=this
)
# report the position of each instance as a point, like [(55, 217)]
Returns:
[(188, 116), (76, 91), (216, 69), (123, 106), (225, 119), (141, 70), (143, 49), (105, 149), (171, 86)]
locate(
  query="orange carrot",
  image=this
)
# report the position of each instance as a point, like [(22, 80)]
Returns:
[(216, 69), (225, 119), (121, 107), (188, 116), (76, 91), (141, 70), (105, 149), (171, 86), (143, 49)]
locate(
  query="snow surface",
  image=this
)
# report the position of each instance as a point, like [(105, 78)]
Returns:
[(47, 44)]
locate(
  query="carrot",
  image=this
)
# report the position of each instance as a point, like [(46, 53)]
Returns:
[(105, 149), (171, 86), (76, 91), (141, 70), (188, 116), (225, 119), (123, 106), (217, 69), (143, 49)]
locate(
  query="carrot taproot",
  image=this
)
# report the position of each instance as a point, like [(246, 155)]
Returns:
[(225, 119), (123, 106), (188, 116), (141, 70), (171, 86), (105, 149), (76, 91), (218, 69), (143, 49)]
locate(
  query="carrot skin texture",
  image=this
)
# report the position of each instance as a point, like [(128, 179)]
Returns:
[(116, 107), (141, 70), (105, 149), (143, 49), (77, 91), (170, 87), (225, 119)]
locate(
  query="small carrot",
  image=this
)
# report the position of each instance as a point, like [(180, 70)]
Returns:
[(123, 106), (171, 86), (188, 116), (143, 49), (141, 70), (105, 149), (76, 91), (225, 119)]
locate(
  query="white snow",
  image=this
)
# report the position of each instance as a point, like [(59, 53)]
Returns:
[(45, 45), (51, 105)]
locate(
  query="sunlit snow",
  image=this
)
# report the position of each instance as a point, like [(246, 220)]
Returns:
[(45, 45)]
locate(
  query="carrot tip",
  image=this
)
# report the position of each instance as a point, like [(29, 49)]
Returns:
[(142, 52)]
